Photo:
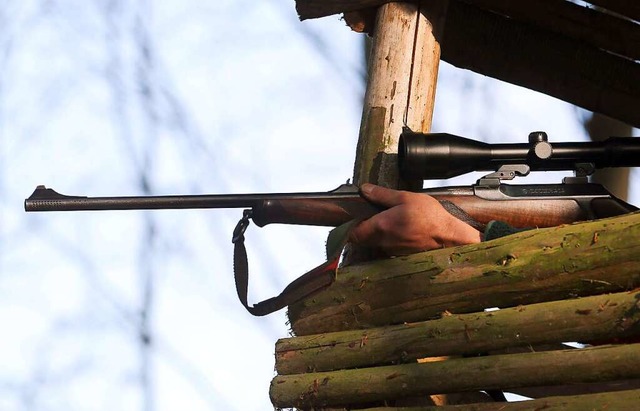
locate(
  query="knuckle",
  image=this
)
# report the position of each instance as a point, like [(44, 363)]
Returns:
[(384, 226), (404, 196)]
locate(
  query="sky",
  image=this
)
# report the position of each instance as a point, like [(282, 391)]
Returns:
[(137, 310)]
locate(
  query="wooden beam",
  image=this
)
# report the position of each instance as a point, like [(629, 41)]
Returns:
[(601, 30), (537, 59)]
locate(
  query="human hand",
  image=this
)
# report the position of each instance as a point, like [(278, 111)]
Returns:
[(412, 223)]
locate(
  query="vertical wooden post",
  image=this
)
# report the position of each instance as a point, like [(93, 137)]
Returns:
[(403, 71), (401, 90)]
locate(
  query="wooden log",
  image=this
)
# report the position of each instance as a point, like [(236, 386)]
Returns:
[(391, 382), (577, 389), (623, 400), (549, 264), (587, 319)]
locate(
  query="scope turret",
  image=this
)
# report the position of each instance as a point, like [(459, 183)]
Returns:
[(440, 155)]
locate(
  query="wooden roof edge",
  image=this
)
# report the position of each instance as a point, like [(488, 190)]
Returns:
[(620, 36), (544, 61), (627, 8), (314, 9), (568, 64), (617, 33)]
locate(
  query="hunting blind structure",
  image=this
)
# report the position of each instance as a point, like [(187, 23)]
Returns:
[(411, 333)]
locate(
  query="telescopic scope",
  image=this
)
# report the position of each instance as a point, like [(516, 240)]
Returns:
[(440, 155)]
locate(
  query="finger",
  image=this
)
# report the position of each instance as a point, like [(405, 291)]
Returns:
[(383, 196)]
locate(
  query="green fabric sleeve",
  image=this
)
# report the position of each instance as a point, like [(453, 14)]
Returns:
[(496, 229)]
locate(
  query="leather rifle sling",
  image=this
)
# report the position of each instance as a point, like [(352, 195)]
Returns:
[(310, 282)]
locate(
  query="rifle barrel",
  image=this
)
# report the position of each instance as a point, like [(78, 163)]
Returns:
[(46, 199)]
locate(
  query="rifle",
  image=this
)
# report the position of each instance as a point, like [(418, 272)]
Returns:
[(420, 156)]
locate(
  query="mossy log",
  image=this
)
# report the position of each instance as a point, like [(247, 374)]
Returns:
[(535, 266), (621, 400), (588, 319), (365, 385)]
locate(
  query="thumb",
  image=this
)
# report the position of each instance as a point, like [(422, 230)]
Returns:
[(380, 195)]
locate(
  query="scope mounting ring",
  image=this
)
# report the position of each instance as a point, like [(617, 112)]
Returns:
[(505, 172)]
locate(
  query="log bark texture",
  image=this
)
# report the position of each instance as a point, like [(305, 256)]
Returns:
[(535, 266), (624, 400), (589, 319), (355, 386)]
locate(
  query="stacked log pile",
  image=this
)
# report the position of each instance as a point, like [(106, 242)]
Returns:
[(359, 342)]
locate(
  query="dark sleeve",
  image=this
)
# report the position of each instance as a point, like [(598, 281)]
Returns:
[(496, 229)]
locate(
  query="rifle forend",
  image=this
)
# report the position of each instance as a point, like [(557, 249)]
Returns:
[(330, 208)]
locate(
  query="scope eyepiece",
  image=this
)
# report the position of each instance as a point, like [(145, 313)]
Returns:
[(440, 155)]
